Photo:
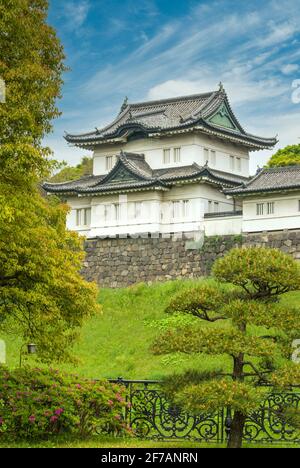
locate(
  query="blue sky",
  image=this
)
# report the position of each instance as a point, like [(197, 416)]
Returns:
[(149, 49)]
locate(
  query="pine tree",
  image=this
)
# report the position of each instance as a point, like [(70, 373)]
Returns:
[(247, 321)]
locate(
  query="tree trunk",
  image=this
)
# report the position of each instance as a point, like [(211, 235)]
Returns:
[(236, 430), (238, 422)]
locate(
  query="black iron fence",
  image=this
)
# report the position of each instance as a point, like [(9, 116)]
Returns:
[(151, 415)]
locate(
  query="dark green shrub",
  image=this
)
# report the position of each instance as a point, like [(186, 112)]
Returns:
[(38, 403)]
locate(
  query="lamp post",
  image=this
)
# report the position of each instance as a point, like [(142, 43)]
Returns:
[(31, 349)]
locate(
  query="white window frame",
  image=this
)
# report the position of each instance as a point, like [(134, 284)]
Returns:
[(185, 208), (206, 155), (116, 211), (270, 208), (109, 163), (213, 157), (83, 217), (137, 210), (177, 154), (176, 209), (260, 209), (166, 151), (78, 217), (107, 212)]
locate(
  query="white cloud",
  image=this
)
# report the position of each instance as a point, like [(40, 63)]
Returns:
[(289, 68), (278, 33), (172, 88), (239, 89), (289, 134), (76, 12), (191, 55)]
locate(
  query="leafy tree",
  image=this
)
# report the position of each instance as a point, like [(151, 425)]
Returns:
[(85, 168), (248, 322), (288, 156), (42, 296)]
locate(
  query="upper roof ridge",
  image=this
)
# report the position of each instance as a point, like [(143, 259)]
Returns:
[(185, 97)]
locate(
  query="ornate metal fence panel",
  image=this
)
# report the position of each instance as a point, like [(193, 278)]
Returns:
[(271, 422), (152, 416)]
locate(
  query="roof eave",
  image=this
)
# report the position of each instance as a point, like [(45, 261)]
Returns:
[(249, 193)]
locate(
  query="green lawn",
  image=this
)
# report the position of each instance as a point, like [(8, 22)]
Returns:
[(100, 442), (117, 342)]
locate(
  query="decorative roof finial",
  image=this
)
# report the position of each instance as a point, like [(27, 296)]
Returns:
[(206, 164), (221, 87), (124, 105)]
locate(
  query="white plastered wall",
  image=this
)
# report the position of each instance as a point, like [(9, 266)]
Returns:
[(192, 150), (286, 213)]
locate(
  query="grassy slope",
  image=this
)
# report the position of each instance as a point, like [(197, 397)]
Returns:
[(117, 343)]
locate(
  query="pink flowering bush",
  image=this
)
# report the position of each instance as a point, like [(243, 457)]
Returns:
[(37, 403)]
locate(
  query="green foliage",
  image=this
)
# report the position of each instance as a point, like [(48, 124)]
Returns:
[(176, 382), (215, 394), (85, 168), (247, 322), (261, 273), (198, 301), (288, 156), (42, 403), (42, 296), (206, 340)]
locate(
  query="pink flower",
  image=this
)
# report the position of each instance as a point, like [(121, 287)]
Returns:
[(59, 411), (1, 421), (117, 416), (110, 402), (78, 386), (53, 419), (31, 419), (119, 397)]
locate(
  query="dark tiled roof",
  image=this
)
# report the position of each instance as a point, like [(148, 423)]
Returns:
[(169, 115), (270, 180), (132, 172)]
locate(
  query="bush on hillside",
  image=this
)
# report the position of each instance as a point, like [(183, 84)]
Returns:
[(38, 403)]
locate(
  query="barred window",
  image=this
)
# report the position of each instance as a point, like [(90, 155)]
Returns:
[(83, 217), (260, 209), (185, 208), (78, 217), (137, 210), (176, 209), (109, 162), (177, 155), (212, 158), (107, 213), (270, 208), (116, 211), (166, 156)]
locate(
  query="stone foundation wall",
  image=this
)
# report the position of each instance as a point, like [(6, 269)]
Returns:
[(120, 262)]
